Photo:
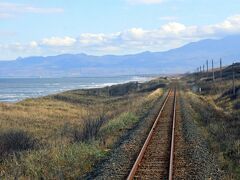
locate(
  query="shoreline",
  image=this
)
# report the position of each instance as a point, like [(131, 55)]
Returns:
[(9, 98)]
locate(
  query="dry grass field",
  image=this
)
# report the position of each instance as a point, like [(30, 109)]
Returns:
[(64, 135), (217, 112)]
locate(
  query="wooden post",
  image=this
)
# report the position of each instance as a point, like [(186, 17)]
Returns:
[(213, 75), (197, 74), (207, 65), (233, 74), (207, 68), (221, 68)]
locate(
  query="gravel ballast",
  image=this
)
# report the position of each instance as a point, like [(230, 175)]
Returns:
[(120, 161), (201, 162)]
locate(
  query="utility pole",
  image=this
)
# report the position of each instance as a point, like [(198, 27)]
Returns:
[(196, 74), (233, 75), (221, 68), (200, 73), (207, 67), (213, 75)]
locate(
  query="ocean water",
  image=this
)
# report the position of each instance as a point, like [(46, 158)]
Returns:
[(17, 89)]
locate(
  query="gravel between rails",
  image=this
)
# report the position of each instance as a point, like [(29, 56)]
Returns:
[(180, 146), (201, 162), (156, 158), (119, 163)]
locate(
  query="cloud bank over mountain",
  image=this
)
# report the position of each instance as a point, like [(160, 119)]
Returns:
[(179, 60), (168, 36)]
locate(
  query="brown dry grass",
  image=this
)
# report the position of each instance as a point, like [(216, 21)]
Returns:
[(52, 121), (218, 115), (41, 117)]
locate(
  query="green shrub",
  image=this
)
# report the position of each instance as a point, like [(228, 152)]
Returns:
[(237, 104), (61, 162), (15, 141), (124, 121), (89, 130)]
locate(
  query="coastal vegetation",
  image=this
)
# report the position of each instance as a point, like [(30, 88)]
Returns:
[(64, 135), (216, 112)]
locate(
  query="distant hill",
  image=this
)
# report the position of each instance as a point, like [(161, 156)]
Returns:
[(178, 60)]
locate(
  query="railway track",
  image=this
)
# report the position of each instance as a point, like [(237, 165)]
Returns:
[(155, 160)]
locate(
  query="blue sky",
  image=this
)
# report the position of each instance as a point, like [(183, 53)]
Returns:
[(49, 27)]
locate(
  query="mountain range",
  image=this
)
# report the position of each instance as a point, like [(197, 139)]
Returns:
[(179, 60)]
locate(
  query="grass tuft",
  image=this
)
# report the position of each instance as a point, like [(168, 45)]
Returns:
[(89, 130), (66, 161), (13, 141)]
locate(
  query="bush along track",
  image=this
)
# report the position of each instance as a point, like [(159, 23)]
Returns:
[(202, 163), (118, 163), (221, 130)]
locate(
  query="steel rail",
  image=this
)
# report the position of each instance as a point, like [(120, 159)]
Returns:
[(149, 137), (170, 177)]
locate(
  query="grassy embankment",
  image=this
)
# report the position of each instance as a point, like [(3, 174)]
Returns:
[(217, 111), (64, 135)]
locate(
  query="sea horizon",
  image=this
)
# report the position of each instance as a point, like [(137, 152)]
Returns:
[(15, 89)]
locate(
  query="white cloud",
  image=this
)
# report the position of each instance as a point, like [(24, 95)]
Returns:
[(5, 15), (58, 41), (12, 9), (90, 39), (20, 47), (168, 18), (133, 34), (230, 25), (168, 36), (33, 44), (173, 28), (145, 1)]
